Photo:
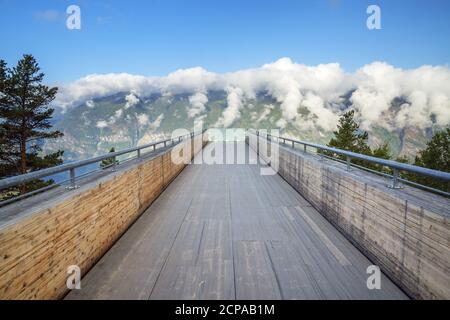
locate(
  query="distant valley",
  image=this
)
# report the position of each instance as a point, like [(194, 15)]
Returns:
[(125, 119)]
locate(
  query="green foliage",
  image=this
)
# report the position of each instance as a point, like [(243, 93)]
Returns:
[(382, 152), (437, 153), (402, 159), (25, 121), (110, 161), (351, 138), (348, 136), (435, 156)]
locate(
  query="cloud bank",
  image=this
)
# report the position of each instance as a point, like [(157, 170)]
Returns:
[(232, 111), (424, 92), (197, 102)]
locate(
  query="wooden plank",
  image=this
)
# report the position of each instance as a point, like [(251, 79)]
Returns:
[(254, 275), (226, 232), (200, 265), (324, 238)]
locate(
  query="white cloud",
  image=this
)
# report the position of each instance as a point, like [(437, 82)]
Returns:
[(188, 80), (197, 102), (97, 85), (118, 114), (232, 111), (102, 124), (425, 90), (327, 118), (266, 111), (132, 99)]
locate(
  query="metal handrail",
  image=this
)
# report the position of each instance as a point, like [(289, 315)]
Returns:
[(394, 165), (23, 178)]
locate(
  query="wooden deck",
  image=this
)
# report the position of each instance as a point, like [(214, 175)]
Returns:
[(227, 232)]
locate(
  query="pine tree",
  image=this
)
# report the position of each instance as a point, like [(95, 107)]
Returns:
[(382, 152), (110, 161), (435, 156), (348, 136), (25, 121)]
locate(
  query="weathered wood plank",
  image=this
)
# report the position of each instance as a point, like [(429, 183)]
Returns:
[(227, 232)]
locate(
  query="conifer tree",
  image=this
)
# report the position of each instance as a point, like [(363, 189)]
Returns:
[(25, 121), (348, 136), (435, 156), (109, 161)]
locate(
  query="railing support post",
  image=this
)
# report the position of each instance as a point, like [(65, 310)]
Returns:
[(293, 144), (395, 180), (257, 145), (73, 184), (139, 153), (304, 148), (349, 163)]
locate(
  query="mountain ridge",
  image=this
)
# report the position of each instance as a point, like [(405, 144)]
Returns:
[(124, 119)]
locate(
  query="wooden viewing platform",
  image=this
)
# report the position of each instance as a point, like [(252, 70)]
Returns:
[(227, 232)]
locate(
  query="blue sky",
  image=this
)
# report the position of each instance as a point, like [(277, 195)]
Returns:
[(155, 37)]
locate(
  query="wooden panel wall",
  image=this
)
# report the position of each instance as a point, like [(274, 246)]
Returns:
[(35, 251), (407, 238)]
